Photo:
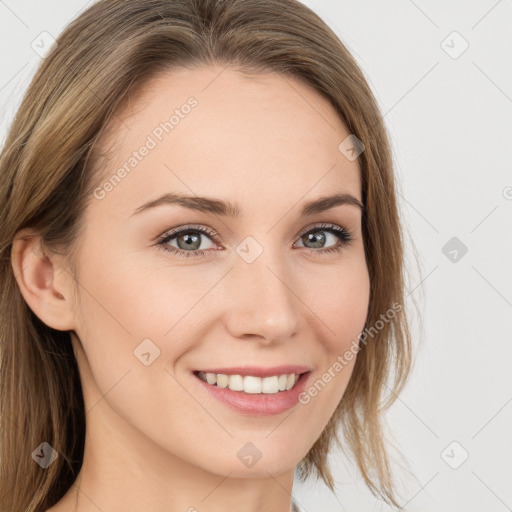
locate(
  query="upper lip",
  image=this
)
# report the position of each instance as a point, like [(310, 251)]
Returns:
[(259, 371)]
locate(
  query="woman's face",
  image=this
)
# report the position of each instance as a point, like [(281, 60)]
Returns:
[(241, 288)]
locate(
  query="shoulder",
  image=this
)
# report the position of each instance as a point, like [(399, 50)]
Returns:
[(295, 507)]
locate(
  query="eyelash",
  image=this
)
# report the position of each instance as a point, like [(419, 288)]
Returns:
[(343, 235)]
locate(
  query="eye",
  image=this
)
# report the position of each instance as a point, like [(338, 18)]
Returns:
[(189, 242), (317, 238)]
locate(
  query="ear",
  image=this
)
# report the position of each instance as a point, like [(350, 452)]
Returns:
[(43, 280)]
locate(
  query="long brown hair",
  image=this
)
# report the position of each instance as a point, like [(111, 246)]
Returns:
[(48, 167)]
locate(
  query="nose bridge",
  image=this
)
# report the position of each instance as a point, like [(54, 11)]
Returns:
[(263, 302)]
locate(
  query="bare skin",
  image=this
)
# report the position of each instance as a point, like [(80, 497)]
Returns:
[(156, 440)]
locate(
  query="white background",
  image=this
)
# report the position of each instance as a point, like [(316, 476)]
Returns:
[(449, 121)]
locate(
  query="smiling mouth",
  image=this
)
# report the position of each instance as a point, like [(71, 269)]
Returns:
[(251, 384)]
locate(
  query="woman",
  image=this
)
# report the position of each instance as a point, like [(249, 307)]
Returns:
[(202, 263)]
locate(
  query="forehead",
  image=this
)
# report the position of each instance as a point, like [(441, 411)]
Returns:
[(218, 131)]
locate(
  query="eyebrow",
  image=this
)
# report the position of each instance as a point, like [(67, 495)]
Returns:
[(228, 209)]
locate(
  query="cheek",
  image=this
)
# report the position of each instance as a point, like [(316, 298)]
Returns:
[(125, 316), (340, 306), (339, 298), (132, 308)]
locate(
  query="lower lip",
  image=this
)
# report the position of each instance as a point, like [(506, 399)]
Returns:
[(258, 404)]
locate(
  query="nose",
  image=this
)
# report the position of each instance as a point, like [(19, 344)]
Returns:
[(261, 301)]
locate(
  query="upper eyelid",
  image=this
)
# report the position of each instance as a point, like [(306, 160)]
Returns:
[(322, 225)]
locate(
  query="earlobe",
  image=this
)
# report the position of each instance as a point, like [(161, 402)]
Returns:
[(36, 274)]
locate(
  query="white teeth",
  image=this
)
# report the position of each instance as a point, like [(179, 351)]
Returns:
[(269, 385), (236, 383), (222, 381), (250, 384)]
